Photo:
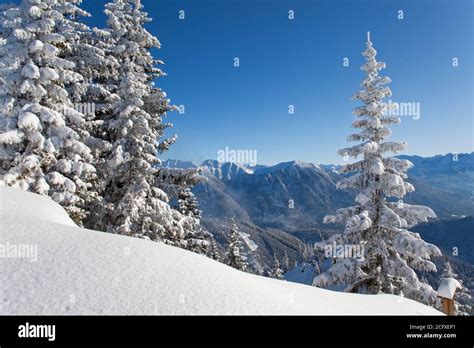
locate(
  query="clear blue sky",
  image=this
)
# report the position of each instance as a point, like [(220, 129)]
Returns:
[(299, 62)]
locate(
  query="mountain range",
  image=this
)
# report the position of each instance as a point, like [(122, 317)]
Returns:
[(281, 207)]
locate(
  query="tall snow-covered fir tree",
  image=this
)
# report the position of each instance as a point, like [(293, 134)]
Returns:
[(96, 93), (130, 131), (39, 150), (235, 256), (379, 219)]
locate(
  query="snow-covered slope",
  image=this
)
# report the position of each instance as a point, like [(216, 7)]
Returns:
[(87, 272), (19, 205)]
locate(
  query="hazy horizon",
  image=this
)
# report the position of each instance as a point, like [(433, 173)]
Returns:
[(313, 162)]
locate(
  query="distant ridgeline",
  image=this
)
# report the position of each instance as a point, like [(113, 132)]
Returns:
[(282, 206)]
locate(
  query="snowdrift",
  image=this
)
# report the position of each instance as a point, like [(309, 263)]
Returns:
[(80, 271)]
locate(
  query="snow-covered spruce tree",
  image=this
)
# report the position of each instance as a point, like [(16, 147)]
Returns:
[(177, 183), (94, 97), (91, 95), (214, 252), (39, 151), (276, 271), (134, 202), (235, 256), (462, 295), (96, 93), (197, 239), (188, 203), (379, 224)]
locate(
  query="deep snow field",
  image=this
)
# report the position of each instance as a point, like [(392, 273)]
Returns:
[(68, 270)]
